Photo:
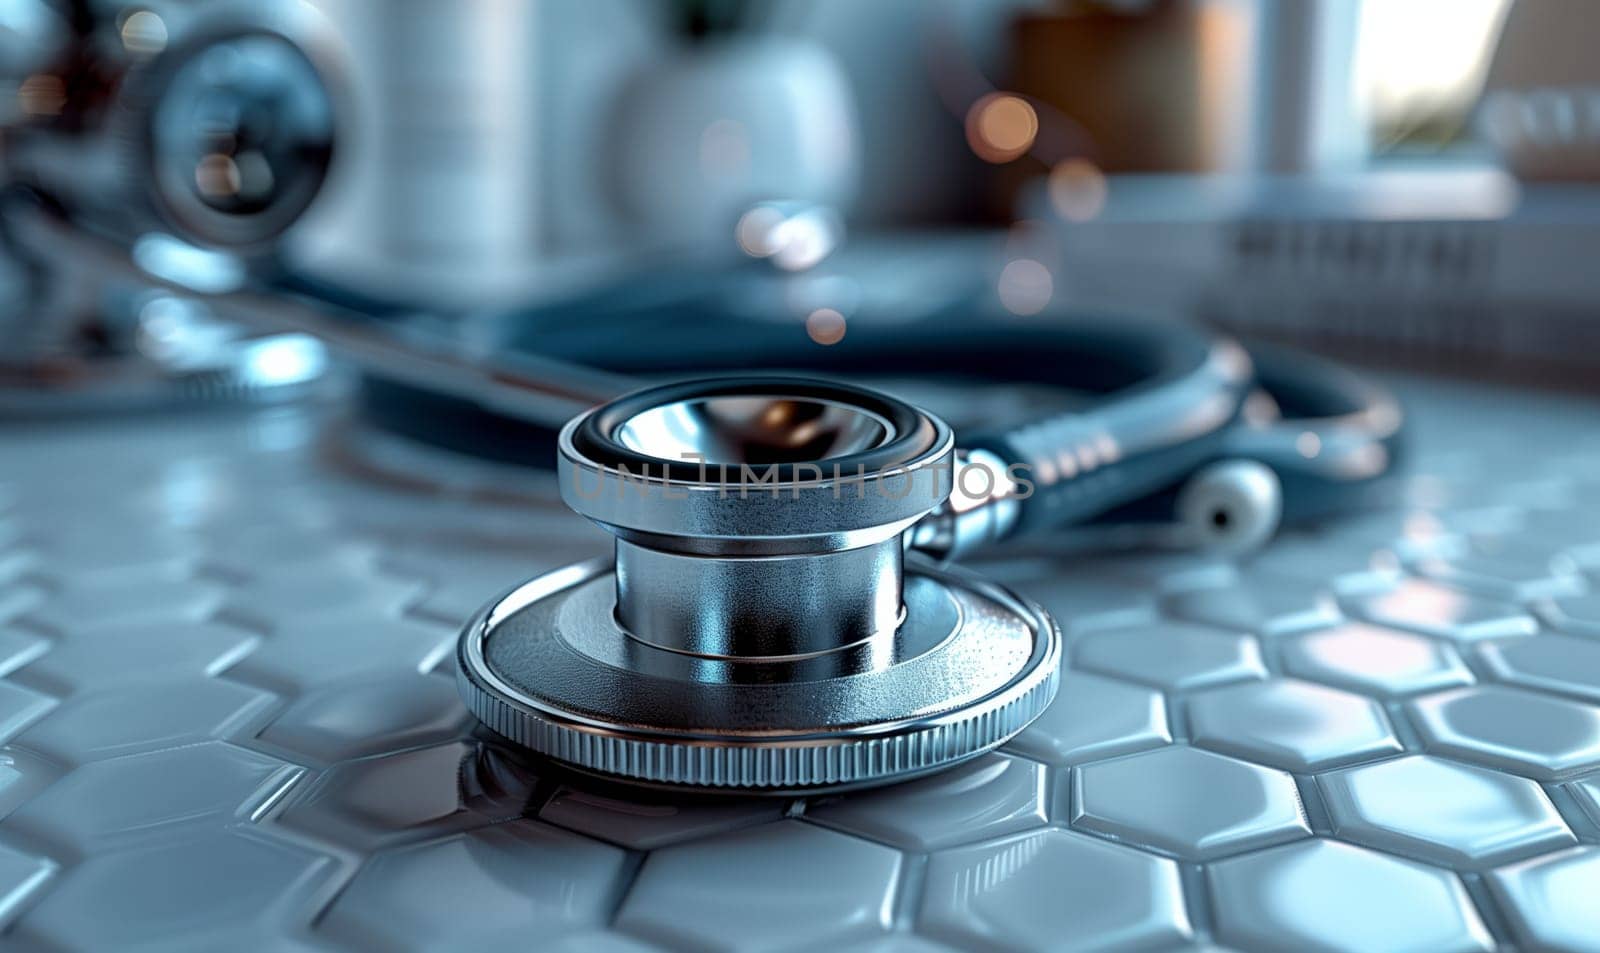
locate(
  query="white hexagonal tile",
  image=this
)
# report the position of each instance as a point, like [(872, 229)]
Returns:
[(369, 716), (1171, 656), (985, 798), (1289, 724), (1433, 609), (1187, 802), (1324, 895), (1539, 736), (1052, 890), (1373, 660), (788, 885), (1550, 901), (1439, 811), (515, 885), (145, 716), (1094, 717), (1549, 663), (105, 803), (195, 889)]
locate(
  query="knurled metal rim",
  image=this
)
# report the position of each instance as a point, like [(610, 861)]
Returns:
[(778, 764)]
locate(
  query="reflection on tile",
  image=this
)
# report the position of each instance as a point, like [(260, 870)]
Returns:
[(1365, 902), (1052, 890), (105, 802), (21, 877), (208, 884), (1434, 609), (1094, 717), (646, 821), (1550, 901), (980, 800), (1292, 725), (1552, 663), (1374, 660), (1184, 801), (389, 797), (1171, 656), (1452, 814), (787, 885), (145, 716), (353, 719), (1539, 736), (510, 886)]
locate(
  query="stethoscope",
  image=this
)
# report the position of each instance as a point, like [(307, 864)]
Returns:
[(780, 614)]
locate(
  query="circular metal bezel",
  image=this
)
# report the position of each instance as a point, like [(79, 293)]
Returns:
[(910, 725), (787, 508), (912, 432)]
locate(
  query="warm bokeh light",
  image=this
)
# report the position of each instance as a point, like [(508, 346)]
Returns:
[(1001, 127), (1025, 286), (825, 326), (216, 176), (42, 95), (1077, 190), (144, 32)]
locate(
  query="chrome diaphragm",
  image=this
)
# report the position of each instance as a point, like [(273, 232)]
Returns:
[(761, 628)]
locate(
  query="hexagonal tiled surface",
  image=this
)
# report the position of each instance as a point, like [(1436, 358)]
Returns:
[(114, 653), (356, 718), (1452, 814), (105, 802), (1555, 664), (1434, 609), (485, 889), (641, 822), (1375, 660), (1293, 725), (201, 888), (1187, 802), (1537, 735), (1095, 717), (1578, 615), (980, 800), (145, 716), (1052, 890), (1550, 901), (779, 885), (227, 720), (399, 796), (1365, 902), (1172, 656), (1265, 610)]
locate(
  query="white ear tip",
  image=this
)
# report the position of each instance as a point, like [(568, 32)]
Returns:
[(1232, 506)]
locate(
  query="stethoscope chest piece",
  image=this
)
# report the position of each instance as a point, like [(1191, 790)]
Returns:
[(760, 629)]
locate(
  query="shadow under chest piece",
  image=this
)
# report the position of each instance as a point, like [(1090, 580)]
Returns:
[(760, 629)]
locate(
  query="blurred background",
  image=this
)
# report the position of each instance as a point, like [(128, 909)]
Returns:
[(1404, 181)]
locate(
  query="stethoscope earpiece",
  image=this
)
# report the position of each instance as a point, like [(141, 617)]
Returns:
[(1229, 507)]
